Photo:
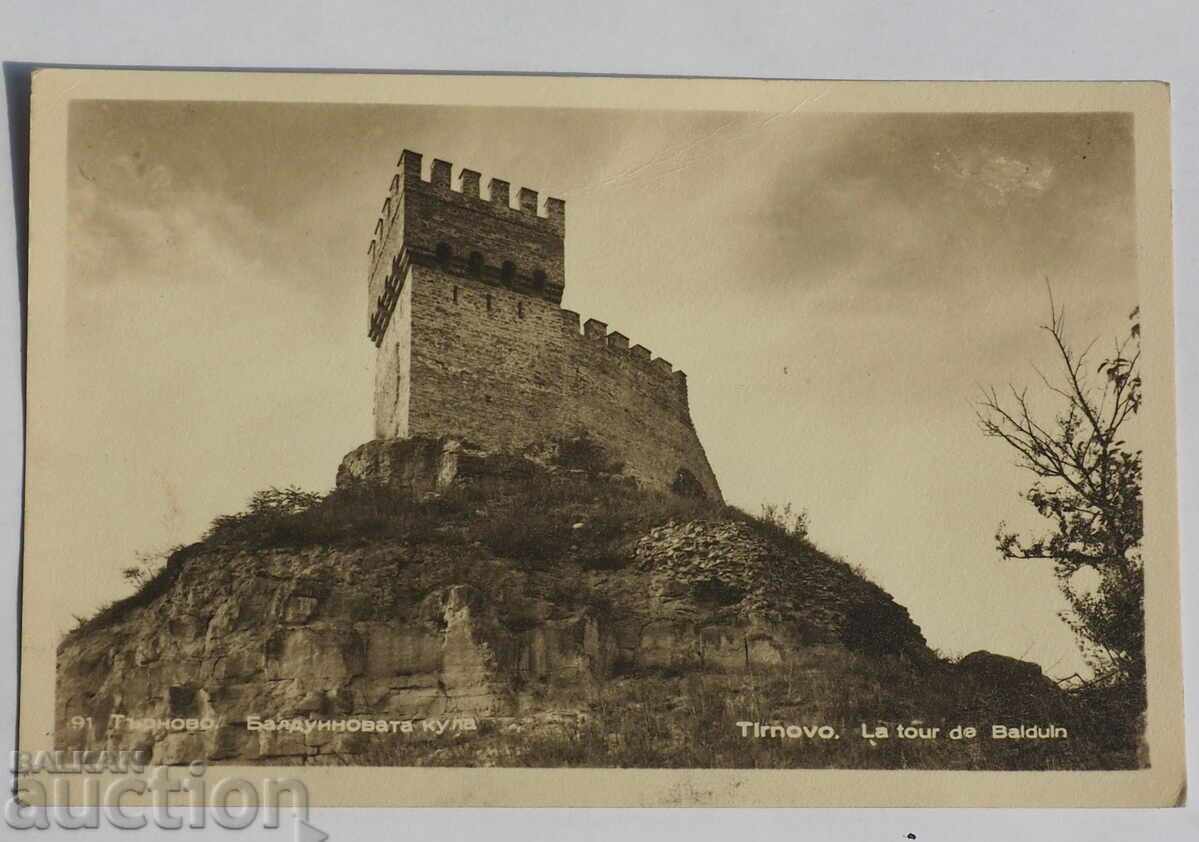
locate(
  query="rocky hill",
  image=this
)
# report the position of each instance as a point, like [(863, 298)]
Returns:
[(531, 608)]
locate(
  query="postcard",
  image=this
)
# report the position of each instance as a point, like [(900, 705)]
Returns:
[(468, 440)]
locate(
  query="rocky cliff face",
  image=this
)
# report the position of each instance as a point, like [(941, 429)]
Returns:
[(502, 593)]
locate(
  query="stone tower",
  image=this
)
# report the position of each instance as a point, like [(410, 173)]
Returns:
[(464, 309)]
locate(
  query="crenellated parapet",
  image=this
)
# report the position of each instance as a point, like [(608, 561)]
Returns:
[(427, 221), (595, 334)]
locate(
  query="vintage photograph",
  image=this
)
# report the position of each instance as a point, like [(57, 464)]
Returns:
[(598, 435)]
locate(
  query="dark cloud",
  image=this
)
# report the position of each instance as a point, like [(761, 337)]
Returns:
[(928, 200)]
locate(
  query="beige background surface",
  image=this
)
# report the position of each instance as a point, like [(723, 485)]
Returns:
[(54, 420)]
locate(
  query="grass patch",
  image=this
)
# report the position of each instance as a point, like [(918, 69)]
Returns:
[(537, 522), (278, 518), (150, 589)]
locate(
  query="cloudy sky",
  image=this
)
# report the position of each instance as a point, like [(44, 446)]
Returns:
[(837, 288)]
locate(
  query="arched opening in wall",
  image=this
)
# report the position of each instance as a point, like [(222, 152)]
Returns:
[(443, 253), (489, 302), (475, 264), (520, 309), (539, 279), (507, 271), (455, 295)]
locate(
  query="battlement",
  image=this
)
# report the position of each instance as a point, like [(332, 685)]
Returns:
[(596, 333), (466, 283), (425, 220)]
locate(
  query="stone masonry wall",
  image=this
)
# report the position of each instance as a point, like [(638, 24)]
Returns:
[(428, 220), (505, 370), (464, 309), (393, 371)]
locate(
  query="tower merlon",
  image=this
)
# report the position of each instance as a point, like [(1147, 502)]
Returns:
[(409, 165), (662, 365), (470, 183), (595, 329), (498, 189), (555, 212), (640, 352), (527, 200), (440, 174), (618, 341)]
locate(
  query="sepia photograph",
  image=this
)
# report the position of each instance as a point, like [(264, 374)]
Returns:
[(692, 427)]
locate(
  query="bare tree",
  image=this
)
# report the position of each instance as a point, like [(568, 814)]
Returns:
[(1088, 484)]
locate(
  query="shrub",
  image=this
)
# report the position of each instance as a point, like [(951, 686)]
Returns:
[(793, 524), (582, 452), (149, 589), (292, 518), (529, 536)]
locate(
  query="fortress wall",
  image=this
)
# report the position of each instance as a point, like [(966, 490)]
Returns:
[(636, 407), (488, 372), (520, 373), (393, 369)]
